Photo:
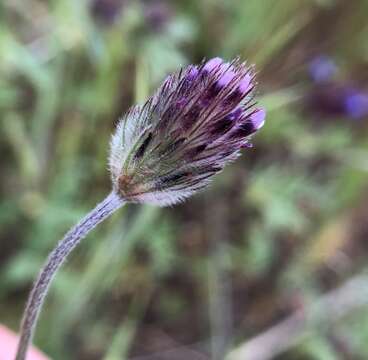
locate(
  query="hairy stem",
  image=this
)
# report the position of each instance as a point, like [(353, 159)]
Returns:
[(56, 258)]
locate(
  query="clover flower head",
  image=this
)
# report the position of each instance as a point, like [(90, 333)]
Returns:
[(197, 122)]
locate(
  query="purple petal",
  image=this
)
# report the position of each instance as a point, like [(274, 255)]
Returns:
[(258, 118), (252, 123), (212, 64), (244, 84), (226, 78), (192, 73)]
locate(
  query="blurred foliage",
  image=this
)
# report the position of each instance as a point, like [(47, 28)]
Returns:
[(281, 226)]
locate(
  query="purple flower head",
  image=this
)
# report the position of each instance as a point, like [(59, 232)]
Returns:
[(356, 104), (322, 68), (195, 123), (333, 99)]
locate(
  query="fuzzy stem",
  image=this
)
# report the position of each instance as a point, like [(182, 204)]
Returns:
[(56, 258)]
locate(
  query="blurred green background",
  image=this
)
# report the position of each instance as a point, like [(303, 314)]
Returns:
[(277, 230)]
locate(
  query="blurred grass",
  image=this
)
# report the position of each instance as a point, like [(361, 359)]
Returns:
[(144, 282)]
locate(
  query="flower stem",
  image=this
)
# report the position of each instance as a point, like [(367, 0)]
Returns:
[(56, 258)]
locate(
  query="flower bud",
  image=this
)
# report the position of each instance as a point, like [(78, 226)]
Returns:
[(196, 122)]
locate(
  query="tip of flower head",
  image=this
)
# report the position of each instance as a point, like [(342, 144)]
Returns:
[(226, 78), (192, 73), (258, 118), (244, 83), (212, 64)]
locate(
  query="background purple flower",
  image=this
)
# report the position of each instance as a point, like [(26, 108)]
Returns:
[(329, 97), (322, 68)]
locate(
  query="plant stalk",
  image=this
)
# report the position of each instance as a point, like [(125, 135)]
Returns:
[(56, 258)]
